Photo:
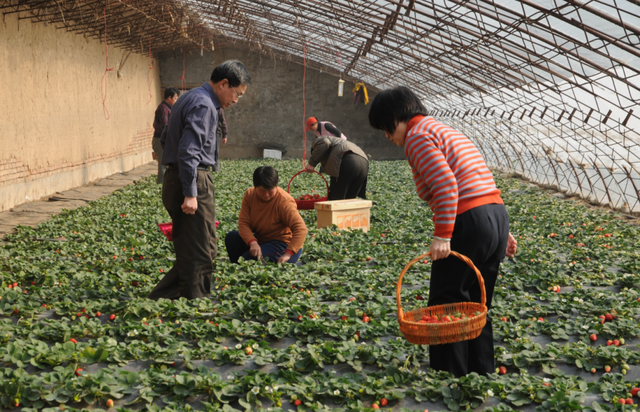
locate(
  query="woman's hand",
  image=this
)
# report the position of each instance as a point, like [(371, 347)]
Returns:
[(284, 258), (512, 246), (255, 250), (440, 249), (309, 169)]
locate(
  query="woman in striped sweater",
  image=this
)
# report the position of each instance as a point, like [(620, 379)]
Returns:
[(468, 214)]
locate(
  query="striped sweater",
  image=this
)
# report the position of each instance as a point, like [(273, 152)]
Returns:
[(448, 170)]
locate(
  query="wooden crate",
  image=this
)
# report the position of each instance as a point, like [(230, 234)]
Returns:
[(346, 214)]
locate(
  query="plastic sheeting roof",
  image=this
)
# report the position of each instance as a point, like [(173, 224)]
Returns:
[(547, 89)]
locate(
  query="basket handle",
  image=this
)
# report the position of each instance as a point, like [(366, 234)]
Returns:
[(303, 171), (483, 292)]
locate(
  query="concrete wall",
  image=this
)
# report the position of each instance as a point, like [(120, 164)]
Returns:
[(54, 132), (272, 108)]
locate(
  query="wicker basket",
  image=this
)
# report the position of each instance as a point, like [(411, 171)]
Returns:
[(439, 333), (309, 204)]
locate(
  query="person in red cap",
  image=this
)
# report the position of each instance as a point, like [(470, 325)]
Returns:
[(323, 128), (343, 161)]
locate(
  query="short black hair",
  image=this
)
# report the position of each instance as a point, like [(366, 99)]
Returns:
[(265, 176), (170, 92), (232, 70), (392, 106)]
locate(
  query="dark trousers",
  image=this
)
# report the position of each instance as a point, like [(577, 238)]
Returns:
[(194, 239), (480, 234), (352, 179), (162, 169), (270, 250)]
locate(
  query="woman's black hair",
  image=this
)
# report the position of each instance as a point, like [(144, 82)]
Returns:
[(392, 106), (265, 176)]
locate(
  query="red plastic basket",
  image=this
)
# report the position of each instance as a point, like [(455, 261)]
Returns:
[(309, 204), (167, 229)]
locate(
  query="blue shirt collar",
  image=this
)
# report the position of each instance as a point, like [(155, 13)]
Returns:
[(212, 94)]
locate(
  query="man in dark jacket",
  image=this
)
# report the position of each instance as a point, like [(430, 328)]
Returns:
[(160, 120), (188, 193)]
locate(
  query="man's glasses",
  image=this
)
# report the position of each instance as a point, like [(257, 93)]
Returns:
[(237, 95)]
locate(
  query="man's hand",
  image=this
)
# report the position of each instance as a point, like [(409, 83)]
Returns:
[(309, 169), (224, 141), (154, 155), (255, 250), (512, 246), (190, 205), (284, 258), (440, 249)]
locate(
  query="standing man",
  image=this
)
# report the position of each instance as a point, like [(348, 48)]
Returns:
[(190, 151), (160, 120)]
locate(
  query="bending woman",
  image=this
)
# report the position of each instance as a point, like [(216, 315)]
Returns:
[(269, 224), (468, 213), (345, 163)]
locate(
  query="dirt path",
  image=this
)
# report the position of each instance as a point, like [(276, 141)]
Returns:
[(34, 213)]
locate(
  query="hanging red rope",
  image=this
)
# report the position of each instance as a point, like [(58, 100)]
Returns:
[(149, 73), (105, 80), (304, 106), (182, 81)]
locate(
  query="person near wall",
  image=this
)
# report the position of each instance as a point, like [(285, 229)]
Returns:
[(323, 128), (468, 212), (222, 134), (160, 120), (269, 225), (190, 150), (345, 162)]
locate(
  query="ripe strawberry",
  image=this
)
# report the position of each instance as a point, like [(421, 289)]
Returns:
[(622, 401), (502, 370), (297, 402), (365, 319), (112, 317), (375, 406), (593, 370), (570, 236), (368, 258), (299, 317), (629, 401), (504, 319), (616, 342), (87, 316), (78, 314), (593, 337), (382, 235), (16, 311), (609, 342), (83, 310), (109, 403), (607, 368), (635, 392), (15, 284), (98, 314), (33, 283), (384, 402), (344, 318), (134, 283), (79, 372), (608, 316), (248, 350)]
